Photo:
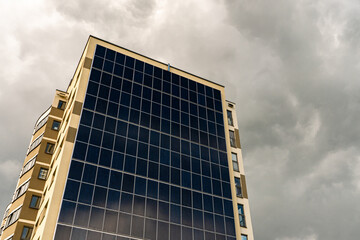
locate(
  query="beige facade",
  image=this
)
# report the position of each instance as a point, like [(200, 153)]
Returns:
[(41, 220)]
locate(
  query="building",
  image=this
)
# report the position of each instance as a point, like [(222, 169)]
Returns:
[(133, 149)]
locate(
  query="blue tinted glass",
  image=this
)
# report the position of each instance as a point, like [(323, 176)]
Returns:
[(186, 216), (165, 126), (129, 62), (118, 161), (124, 223), (140, 186), (67, 212), (186, 198), (102, 177), (108, 140), (93, 154), (209, 221), (89, 173), (138, 77), (144, 150), (164, 173), (100, 51), (151, 208), (128, 183), (87, 117), (175, 194), (139, 205), (100, 196), (86, 193), (98, 62), (76, 169), (186, 179), (96, 218), (110, 224), (196, 182), (197, 200), (175, 160), (175, 214), (113, 200), (164, 156), (93, 88), (80, 150), (115, 180), (129, 164), (126, 202), (141, 167), (71, 190), (163, 192), (152, 189), (157, 72), (108, 66), (148, 69), (153, 170)]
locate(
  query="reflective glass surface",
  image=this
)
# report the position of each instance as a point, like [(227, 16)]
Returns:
[(150, 157)]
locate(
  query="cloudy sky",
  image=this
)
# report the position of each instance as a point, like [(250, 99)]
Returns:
[(292, 67)]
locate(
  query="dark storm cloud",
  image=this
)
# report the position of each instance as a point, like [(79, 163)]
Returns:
[(303, 148), (291, 67)]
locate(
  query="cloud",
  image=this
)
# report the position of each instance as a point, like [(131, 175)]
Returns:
[(291, 67)]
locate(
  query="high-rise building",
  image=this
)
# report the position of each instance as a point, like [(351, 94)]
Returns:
[(133, 149)]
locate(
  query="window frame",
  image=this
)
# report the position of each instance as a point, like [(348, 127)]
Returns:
[(41, 171), (28, 233), (230, 118), (37, 204), (238, 187), (61, 105), (244, 237), (49, 149), (232, 138), (235, 162), (241, 214), (54, 127), (28, 165)]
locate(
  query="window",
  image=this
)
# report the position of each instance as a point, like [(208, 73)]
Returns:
[(35, 201), (43, 173), (238, 187), (41, 124), (55, 125), (241, 215), (35, 143), (49, 148), (13, 217), (230, 118), (61, 105), (21, 190), (26, 233), (232, 139), (28, 165), (244, 237), (235, 162)]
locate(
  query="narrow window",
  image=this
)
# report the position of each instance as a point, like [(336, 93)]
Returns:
[(26, 233), (56, 125), (35, 202), (238, 187), (61, 105), (49, 148), (230, 118), (241, 215), (43, 174), (235, 162), (232, 139), (244, 237)]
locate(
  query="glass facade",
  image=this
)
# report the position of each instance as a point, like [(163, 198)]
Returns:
[(150, 158)]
